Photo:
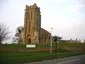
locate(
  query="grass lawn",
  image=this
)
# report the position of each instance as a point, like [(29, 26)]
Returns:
[(23, 57), (40, 45), (7, 57), (70, 44)]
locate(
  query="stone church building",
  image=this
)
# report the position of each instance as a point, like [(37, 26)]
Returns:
[(32, 31)]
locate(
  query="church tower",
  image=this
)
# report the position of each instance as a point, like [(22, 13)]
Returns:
[(32, 24)]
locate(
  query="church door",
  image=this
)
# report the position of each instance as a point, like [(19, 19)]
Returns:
[(29, 41)]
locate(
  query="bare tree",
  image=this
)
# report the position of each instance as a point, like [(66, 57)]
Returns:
[(15, 39), (18, 31), (3, 33)]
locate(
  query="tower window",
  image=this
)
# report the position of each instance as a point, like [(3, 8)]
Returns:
[(31, 15), (29, 26)]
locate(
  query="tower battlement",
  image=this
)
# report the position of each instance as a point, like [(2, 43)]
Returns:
[(32, 7)]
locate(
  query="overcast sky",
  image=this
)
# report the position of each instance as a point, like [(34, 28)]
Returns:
[(66, 17)]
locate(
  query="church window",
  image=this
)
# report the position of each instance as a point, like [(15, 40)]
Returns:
[(31, 15), (28, 15), (29, 26)]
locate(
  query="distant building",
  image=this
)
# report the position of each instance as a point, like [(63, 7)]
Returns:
[(32, 32), (71, 41), (64, 41)]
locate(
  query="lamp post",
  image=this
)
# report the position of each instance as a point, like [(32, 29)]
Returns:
[(51, 42)]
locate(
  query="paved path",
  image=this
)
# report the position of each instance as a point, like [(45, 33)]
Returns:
[(69, 60)]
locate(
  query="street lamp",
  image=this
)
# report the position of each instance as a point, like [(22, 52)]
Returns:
[(51, 42)]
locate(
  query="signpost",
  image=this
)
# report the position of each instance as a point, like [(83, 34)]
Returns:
[(30, 46), (51, 42)]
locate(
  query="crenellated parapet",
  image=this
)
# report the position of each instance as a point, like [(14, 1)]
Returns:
[(34, 6)]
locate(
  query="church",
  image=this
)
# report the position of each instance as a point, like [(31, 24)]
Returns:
[(32, 31)]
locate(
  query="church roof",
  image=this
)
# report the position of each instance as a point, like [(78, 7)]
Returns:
[(45, 32)]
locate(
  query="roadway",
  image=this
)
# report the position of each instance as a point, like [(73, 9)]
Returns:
[(69, 60)]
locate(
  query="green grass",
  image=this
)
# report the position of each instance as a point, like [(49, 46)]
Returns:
[(40, 45), (70, 44), (22, 57), (12, 46), (22, 46)]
